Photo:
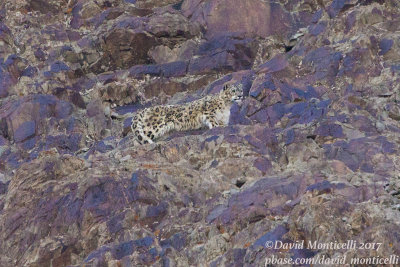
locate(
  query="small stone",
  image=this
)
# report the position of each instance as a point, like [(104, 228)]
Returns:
[(380, 126), (226, 236), (125, 158)]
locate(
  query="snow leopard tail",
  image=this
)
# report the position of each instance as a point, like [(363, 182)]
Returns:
[(137, 129)]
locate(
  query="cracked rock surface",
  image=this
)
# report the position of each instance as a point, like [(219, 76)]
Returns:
[(311, 154)]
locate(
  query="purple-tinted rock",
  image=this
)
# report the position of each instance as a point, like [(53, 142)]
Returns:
[(363, 123), (316, 16), (76, 99), (385, 45), (261, 116), (217, 85), (395, 68), (324, 62), (259, 145), (212, 138), (221, 43), (238, 256), (232, 139), (336, 6), (64, 143), (299, 108), (124, 48), (223, 53), (123, 250), (310, 93), (97, 254), (10, 72), (350, 21), (221, 16), (172, 25), (177, 241), (4, 187), (387, 147), (219, 62), (358, 152), (260, 84), (3, 141), (5, 83), (141, 70), (272, 236), (262, 164), (305, 113), (276, 112), (144, 242), (47, 74), (29, 71), (29, 144), (58, 66), (25, 131), (42, 6), (355, 63), (103, 147), (249, 205), (368, 168), (235, 256), (10, 60), (94, 109), (324, 187), (347, 158), (276, 64), (271, 114), (73, 35), (127, 126), (94, 197), (317, 29), (215, 213), (290, 136), (147, 254), (127, 248), (134, 179), (4, 30), (267, 135), (174, 69), (238, 116), (198, 197), (63, 109), (334, 130), (40, 54)]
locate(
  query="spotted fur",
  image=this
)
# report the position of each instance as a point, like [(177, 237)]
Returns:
[(210, 111)]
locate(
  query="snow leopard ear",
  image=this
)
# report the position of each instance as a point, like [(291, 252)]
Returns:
[(225, 87)]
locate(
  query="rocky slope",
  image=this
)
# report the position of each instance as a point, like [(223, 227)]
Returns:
[(311, 154)]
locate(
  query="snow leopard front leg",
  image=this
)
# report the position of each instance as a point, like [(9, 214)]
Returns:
[(141, 137), (137, 129), (211, 122)]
